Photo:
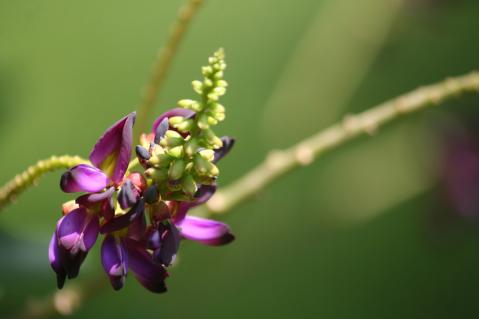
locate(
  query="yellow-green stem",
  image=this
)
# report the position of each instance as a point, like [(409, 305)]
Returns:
[(32, 174)]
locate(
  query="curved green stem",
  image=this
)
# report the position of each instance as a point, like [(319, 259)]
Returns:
[(30, 176), (280, 162)]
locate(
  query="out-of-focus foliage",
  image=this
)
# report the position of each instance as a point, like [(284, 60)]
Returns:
[(359, 234)]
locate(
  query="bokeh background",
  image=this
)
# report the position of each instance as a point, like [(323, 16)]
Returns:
[(367, 231)]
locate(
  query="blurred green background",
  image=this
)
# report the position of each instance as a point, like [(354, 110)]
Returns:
[(361, 233)]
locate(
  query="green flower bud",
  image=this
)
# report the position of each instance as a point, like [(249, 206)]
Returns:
[(186, 103), (217, 108), (176, 169), (172, 139), (212, 121), (175, 120), (189, 185), (185, 125), (208, 155), (176, 152), (220, 90), (213, 97), (197, 86), (222, 83), (207, 83), (191, 146), (203, 121), (202, 166), (158, 175), (207, 70), (218, 75)]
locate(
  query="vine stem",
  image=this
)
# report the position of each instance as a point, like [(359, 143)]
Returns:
[(277, 164), (32, 174), (163, 63), (280, 162)]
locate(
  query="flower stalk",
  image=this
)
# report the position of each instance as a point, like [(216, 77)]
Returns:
[(280, 162), (12, 189)]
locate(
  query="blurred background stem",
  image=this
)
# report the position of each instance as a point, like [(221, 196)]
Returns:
[(163, 63)]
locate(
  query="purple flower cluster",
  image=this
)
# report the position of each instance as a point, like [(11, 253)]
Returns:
[(142, 233)]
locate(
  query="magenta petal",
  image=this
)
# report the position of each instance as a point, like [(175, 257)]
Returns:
[(151, 275), (78, 231), (205, 231), (114, 260), (112, 152), (83, 178), (173, 112)]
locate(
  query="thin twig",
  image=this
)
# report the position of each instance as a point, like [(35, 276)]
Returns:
[(280, 162), (163, 63), (32, 174)]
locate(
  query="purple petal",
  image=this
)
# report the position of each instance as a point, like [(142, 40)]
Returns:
[(205, 231), (124, 220), (161, 130), (169, 244), (202, 195), (78, 231), (173, 112), (137, 229), (228, 143), (152, 276), (112, 152), (72, 263), (55, 261), (114, 260), (83, 178), (128, 195), (89, 200)]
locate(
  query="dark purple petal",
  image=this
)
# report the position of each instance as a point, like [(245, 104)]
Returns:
[(137, 229), (173, 112), (151, 194), (142, 153), (124, 220), (83, 178), (205, 231), (169, 244), (151, 275), (114, 260), (78, 231), (112, 152), (55, 261), (89, 200), (72, 263), (128, 195), (161, 130), (154, 239), (202, 195), (228, 143)]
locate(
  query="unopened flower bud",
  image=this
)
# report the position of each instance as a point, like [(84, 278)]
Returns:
[(176, 169), (176, 152), (188, 185)]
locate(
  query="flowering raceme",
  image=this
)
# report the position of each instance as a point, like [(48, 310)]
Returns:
[(143, 214)]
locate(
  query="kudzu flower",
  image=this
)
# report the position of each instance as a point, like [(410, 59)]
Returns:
[(143, 216)]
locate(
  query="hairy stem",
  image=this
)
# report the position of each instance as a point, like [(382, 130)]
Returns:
[(280, 162), (163, 63), (30, 176)]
